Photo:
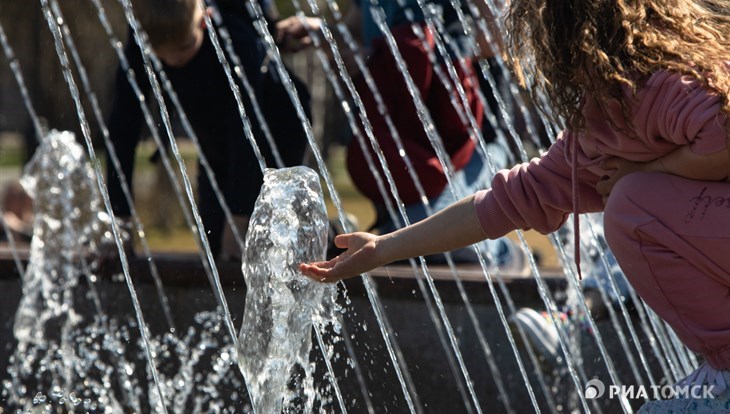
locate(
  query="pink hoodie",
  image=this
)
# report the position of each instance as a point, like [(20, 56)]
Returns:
[(671, 110)]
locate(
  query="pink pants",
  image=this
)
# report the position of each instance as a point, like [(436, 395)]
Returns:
[(671, 237)]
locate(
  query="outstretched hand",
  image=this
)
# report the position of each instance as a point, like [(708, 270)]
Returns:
[(361, 256)]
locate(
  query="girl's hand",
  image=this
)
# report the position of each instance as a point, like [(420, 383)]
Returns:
[(621, 167), (451, 228), (361, 256)]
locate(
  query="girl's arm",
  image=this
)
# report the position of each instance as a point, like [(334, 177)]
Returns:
[(686, 163), (682, 162), (535, 195), (454, 227)]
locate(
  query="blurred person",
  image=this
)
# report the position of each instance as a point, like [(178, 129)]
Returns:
[(177, 35), (470, 172)]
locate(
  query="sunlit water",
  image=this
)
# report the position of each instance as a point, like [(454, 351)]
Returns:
[(66, 360), (68, 218), (288, 227), (70, 360)]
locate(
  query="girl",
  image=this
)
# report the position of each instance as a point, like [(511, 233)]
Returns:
[(643, 87)]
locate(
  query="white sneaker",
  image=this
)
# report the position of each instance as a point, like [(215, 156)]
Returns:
[(540, 332)]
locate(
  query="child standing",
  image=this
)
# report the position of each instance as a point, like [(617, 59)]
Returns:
[(643, 87)]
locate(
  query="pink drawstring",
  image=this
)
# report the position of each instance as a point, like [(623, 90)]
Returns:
[(576, 219)]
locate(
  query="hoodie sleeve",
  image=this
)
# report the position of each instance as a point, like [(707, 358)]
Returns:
[(536, 195), (681, 109)]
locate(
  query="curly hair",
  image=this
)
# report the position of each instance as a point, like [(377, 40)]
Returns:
[(573, 48)]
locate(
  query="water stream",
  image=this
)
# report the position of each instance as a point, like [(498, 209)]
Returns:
[(443, 336), (68, 77), (448, 169), (67, 361), (393, 350), (112, 154), (288, 227)]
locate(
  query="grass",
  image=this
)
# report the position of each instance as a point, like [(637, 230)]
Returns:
[(178, 238), (11, 150)]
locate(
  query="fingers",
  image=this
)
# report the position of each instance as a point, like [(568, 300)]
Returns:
[(341, 267), (290, 30), (294, 26), (343, 240), (616, 164), (617, 168), (320, 271), (360, 257), (282, 28), (329, 264), (288, 23)]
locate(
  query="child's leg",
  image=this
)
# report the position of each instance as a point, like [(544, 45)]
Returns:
[(671, 237)]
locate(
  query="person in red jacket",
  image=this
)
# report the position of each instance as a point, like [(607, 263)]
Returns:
[(445, 108)]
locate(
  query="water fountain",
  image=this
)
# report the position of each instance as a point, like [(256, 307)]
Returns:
[(433, 339), (288, 227)]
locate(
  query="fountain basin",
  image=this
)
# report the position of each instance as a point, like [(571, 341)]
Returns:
[(189, 293)]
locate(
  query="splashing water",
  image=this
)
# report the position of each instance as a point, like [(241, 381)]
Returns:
[(288, 227), (274, 347), (68, 224), (65, 362), (59, 180)]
